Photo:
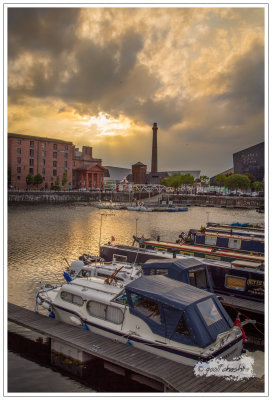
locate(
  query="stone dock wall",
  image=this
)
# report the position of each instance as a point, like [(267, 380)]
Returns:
[(124, 197)]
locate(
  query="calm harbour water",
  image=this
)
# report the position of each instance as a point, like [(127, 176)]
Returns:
[(40, 236)]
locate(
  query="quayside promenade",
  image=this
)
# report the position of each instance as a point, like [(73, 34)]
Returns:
[(126, 197)]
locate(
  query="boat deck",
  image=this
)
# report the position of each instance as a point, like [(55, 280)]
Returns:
[(172, 376)]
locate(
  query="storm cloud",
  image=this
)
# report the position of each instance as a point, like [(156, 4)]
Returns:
[(101, 77)]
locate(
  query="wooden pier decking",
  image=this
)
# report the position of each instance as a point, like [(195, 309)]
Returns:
[(172, 376)]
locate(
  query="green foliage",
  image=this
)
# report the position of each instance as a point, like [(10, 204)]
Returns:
[(237, 181), (37, 180), (220, 180), (258, 186), (186, 179), (64, 178), (204, 180), (177, 180), (55, 187), (29, 179)]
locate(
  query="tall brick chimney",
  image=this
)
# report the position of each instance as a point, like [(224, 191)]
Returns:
[(154, 161)]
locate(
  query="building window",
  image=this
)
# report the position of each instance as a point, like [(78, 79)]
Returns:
[(18, 178), (55, 147), (55, 154), (74, 163), (55, 164), (31, 171), (19, 141), (19, 151), (18, 170), (43, 145), (31, 143), (31, 153), (31, 161), (66, 147), (52, 178), (54, 172), (18, 160), (43, 171), (43, 153), (65, 164), (43, 162), (66, 155)]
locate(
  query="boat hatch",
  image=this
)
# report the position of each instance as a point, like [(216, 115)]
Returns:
[(187, 270), (176, 310)]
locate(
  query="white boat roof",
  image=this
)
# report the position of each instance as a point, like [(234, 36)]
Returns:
[(93, 287)]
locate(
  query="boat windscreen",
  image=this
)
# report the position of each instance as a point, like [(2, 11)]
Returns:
[(209, 312)]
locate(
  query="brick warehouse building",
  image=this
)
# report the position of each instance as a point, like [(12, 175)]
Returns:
[(51, 158)]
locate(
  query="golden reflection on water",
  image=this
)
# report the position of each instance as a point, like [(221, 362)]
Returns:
[(41, 236)]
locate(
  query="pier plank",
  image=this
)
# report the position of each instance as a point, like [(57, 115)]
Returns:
[(175, 376)]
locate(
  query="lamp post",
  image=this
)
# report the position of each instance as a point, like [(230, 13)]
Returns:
[(101, 220), (136, 220)]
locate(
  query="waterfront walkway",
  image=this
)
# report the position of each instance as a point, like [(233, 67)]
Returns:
[(168, 375)]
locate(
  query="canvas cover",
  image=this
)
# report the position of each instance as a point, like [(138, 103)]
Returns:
[(178, 300)]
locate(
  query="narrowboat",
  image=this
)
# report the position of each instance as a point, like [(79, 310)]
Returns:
[(157, 314), (194, 250), (224, 241)]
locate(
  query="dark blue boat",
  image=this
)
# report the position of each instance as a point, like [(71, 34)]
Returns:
[(217, 277), (226, 241)]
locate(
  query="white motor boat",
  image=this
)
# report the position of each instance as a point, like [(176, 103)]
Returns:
[(154, 313)]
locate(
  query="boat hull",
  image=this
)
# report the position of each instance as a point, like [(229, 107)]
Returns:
[(230, 351)]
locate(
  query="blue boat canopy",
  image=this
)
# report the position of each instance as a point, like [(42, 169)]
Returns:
[(187, 270), (176, 310)]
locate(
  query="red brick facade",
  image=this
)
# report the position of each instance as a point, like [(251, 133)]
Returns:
[(139, 173), (51, 158)]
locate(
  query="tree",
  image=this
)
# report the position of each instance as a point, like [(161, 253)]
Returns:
[(64, 178), (37, 180), (237, 181), (220, 180), (186, 179), (258, 186), (29, 179), (204, 180)]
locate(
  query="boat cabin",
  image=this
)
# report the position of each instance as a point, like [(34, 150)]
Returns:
[(177, 311), (188, 270)]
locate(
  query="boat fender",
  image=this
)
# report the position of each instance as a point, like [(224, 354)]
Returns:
[(51, 315), (243, 351), (67, 277), (85, 327), (46, 305), (75, 321), (128, 343)]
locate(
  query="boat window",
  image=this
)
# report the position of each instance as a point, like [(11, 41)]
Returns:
[(104, 311), (122, 299), (162, 271), (96, 309), (146, 307), (235, 282), (114, 314), (234, 243), (182, 327), (210, 240), (152, 271), (209, 311), (72, 298), (198, 279)]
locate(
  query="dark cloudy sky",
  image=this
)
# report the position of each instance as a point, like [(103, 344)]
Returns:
[(102, 76)]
